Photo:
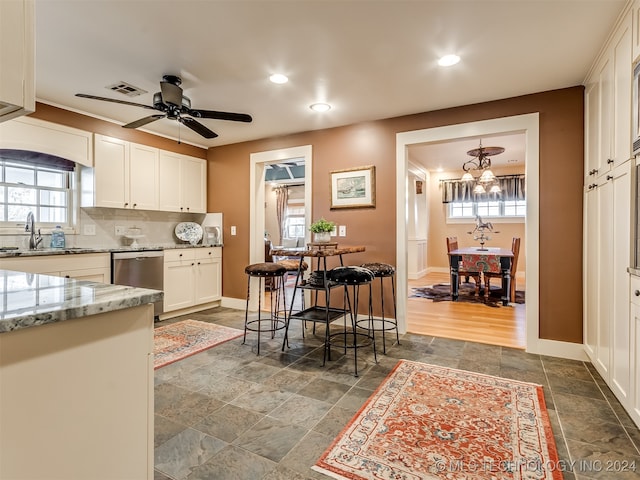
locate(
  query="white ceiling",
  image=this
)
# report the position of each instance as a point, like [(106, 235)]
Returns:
[(369, 59)]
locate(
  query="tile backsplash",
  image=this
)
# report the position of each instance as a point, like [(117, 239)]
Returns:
[(157, 228)]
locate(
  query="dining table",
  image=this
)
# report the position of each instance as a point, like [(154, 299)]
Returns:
[(482, 260)]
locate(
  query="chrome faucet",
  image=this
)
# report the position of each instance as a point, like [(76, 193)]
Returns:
[(30, 226)]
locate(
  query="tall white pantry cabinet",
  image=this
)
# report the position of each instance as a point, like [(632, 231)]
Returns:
[(609, 323)]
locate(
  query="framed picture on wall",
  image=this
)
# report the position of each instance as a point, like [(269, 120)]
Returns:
[(353, 188)]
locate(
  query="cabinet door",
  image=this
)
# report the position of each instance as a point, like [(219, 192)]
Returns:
[(143, 177), (111, 157), (170, 180), (91, 274), (17, 57), (619, 282), (207, 281), (592, 275), (605, 83), (622, 93), (592, 130), (605, 274), (178, 285), (634, 317), (194, 195)]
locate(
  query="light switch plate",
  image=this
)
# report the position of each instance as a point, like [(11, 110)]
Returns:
[(120, 230), (89, 229), (233, 229), (342, 231)]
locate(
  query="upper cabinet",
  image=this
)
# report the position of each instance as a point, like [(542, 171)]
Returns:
[(608, 95), (182, 183), (132, 176), (17, 57)]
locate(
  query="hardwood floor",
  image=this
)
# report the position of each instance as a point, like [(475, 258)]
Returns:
[(504, 326)]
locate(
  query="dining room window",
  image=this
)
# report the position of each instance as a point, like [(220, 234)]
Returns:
[(488, 209), (294, 221)]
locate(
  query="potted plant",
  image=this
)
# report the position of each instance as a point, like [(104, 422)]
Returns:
[(321, 230)]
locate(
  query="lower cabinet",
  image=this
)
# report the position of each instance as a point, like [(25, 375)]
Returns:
[(634, 407), (95, 267), (192, 277)]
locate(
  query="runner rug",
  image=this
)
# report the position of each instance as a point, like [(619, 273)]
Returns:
[(441, 292), (430, 422), (181, 339)]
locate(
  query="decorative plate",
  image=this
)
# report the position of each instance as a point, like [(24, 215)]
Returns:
[(189, 232)]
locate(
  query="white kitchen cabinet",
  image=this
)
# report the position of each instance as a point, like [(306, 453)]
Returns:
[(95, 267), (17, 57), (634, 316), (606, 258), (125, 175), (608, 94), (182, 182), (192, 278)]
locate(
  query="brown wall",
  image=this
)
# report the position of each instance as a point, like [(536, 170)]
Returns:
[(90, 124), (373, 143)]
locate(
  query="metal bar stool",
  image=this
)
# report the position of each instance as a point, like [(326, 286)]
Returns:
[(296, 268), (382, 271), (273, 322), (353, 277)]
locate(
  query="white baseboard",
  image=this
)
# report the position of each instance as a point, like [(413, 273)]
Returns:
[(555, 348), (237, 303)]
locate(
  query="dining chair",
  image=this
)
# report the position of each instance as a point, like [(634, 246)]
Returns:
[(515, 248), (452, 244)]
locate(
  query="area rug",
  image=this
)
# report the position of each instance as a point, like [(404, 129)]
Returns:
[(466, 293), (431, 422), (187, 337)]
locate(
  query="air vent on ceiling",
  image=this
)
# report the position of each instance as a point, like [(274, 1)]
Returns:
[(126, 89)]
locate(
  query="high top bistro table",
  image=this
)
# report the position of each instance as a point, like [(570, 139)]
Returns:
[(476, 259)]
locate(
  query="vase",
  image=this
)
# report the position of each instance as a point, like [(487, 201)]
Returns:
[(322, 237)]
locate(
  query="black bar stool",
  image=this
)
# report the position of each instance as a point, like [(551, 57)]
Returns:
[(273, 323), (382, 271), (353, 277)]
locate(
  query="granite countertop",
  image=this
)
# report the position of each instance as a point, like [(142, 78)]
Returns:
[(30, 299), (315, 252), (7, 252)]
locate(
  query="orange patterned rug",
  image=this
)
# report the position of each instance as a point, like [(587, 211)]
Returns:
[(430, 422), (182, 339)]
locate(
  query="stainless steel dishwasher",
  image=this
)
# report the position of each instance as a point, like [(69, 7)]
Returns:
[(144, 269)]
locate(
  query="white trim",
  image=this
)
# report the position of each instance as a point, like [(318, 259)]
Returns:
[(236, 303), (529, 124), (555, 348), (257, 197)]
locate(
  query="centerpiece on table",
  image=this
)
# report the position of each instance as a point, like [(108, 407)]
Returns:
[(321, 230)]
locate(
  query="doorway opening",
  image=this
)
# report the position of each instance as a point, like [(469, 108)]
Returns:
[(259, 163), (526, 124)]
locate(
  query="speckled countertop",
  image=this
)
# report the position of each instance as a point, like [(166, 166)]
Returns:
[(7, 252), (29, 299)]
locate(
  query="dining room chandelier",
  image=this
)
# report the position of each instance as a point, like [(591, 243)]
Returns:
[(487, 181)]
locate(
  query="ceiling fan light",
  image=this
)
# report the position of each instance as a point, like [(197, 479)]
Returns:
[(467, 177), (495, 189), (320, 107)]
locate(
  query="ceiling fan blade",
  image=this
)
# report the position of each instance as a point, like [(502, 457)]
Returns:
[(113, 100), (235, 117), (171, 93), (197, 127), (143, 121)]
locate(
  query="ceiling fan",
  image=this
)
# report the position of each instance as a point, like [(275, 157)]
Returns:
[(175, 106)]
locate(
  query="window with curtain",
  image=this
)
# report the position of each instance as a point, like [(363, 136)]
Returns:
[(463, 203), (294, 220), (34, 182)]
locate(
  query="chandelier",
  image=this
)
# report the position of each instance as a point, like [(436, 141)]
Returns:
[(481, 162)]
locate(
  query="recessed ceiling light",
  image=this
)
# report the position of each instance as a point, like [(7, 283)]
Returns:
[(320, 107), (448, 60), (278, 78)]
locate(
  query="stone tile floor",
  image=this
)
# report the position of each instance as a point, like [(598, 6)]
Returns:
[(226, 413)]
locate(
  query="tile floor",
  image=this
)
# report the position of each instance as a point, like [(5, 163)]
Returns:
[(228, 414)]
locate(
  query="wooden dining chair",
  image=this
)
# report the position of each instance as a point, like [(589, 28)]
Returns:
[(452, 244), (515, 248)]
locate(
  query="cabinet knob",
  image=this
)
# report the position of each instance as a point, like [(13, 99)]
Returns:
[(135, 205), (126, 204), (610, 161), (209, 253), (637, 293), (192, 264), (198, 263), (180, 255), (609, 177)]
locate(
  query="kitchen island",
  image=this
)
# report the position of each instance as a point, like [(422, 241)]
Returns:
[(76, 379)]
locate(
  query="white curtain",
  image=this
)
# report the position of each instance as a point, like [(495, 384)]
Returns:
[(282, 197)]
